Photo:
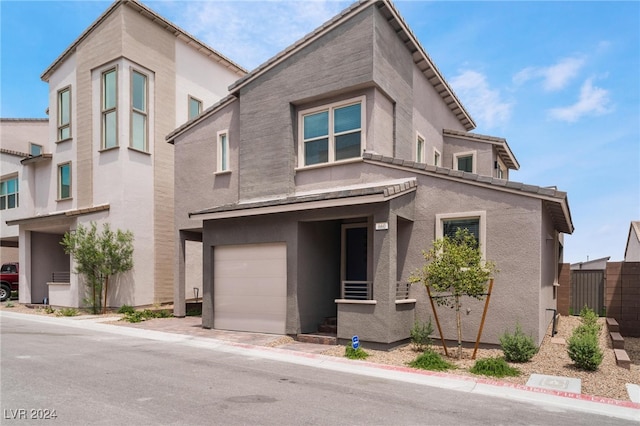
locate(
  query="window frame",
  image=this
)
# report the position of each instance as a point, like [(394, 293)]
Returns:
[(420, 148), (59, 180), (104, 112), (482, 226), (331, 135), (437, 157), (200, 107), (472, 154), (501, 169), (31, 145), (135, 111), (222, 155), (4, 182), (66, 125)]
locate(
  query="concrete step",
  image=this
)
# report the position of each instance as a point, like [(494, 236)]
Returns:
[(622, 358), (612, 324), (617, 340), (319, 339), (329, 329)]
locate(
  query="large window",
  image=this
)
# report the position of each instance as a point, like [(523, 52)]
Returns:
[(223, 151), (475, 222), (139, 111), (465, 161), (9, 197), (64, 114), (64, 181), (195, 107), (109, 109), (331, 133)]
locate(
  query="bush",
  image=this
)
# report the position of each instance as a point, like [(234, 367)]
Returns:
[(67, 312), (494, 367), (588, 316), (420, 333), (138, 316), (351, 353), (9, 304), (126, 309), (518, 347), (593, 329), (431, 360), (584, 350)]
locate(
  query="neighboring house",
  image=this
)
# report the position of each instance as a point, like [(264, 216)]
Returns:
[(316, 184), (595, 264), (19, 139), (632, 252), (114, 94)]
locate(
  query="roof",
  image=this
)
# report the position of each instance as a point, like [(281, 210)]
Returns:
[(14, 153), (200, 117), (634, 228), (157, 19), (589, 263), (27, 120), (555, 201), (500, 143), (307, 200), (388, 10), (57, 215)]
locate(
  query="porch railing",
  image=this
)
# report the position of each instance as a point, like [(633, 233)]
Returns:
[(357, 290), (60, 277), (402, 290)]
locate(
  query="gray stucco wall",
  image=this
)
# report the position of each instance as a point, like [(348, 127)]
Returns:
[(47, 257), (485, 154)]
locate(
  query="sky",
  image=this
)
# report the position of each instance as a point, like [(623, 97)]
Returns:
[(560, 81)]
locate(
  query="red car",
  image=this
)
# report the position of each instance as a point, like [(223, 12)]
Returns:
[(8, 280)]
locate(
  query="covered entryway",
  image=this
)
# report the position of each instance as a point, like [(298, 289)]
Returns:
[(250, 287)]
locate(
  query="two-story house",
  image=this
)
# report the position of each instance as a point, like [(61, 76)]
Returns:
[(316, 184), (114, 94)]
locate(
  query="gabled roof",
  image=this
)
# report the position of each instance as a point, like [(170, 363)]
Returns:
[(229, 99), (500, 143), (388, 10), (555, 201), (157, 19), (634, 235)]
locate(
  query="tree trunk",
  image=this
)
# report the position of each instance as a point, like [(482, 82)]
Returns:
[(106, 287), (459, 326)]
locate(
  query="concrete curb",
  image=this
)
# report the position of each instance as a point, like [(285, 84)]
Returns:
[(563, 400)]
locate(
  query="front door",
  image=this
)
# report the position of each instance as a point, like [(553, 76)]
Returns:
[(355, 262)]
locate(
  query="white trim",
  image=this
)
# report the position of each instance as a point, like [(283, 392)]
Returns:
[(222, 167), (356, 302), (420, 151), (473, 155), (436, 152), (502, 168), (481, 214)]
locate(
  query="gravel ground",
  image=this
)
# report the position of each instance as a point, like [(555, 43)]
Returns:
[(608, 381)]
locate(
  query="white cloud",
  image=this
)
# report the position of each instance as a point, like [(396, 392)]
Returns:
[(483, 102), (554, 77), (593, 101)]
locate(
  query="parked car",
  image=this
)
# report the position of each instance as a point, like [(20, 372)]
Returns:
[(8, 280)]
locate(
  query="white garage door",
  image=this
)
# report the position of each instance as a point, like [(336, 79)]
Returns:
[(250, 287)]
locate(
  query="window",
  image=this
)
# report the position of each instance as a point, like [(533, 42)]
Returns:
[(223, 151), (331, 133), (35, 149), (465, 161), (501, 170), (64, 181), (436, 157), (447, 224), (109, 109), (139, 109), (9, 197), (64, 114), (195, 107), (420, 149)]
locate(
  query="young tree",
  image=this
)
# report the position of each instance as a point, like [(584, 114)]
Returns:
[(98, 257), (454, 269)]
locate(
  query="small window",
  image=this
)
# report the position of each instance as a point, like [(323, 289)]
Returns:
[(9, 196), (195, 107), (64, 181), (501, 170), (64, 114), (420, 149), (35, 149), (464, 161), (475, 222), (139, 110), (331, 133), (436, 157), (109, 109), (223, 151)]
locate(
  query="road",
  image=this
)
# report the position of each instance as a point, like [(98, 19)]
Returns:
[(101, 378)]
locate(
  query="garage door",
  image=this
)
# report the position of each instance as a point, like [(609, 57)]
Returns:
[(250, 287)]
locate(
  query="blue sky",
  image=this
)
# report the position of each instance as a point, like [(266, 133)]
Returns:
[(559, 80)]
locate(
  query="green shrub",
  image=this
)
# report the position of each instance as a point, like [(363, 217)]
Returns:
[(494, 367), (584, 350), (138, 316), (431, 360), (588, 316), (593, 329), (9, 305), (518, 347), (67, 312), (351, 353), (49, 310), (420, 333), (126, 309)]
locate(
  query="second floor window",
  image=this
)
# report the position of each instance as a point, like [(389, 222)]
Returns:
[(109, 109), (331, 133), (139, 111), (420, 149), (436, 157), (35, 149), (223, 151), (64, 114), (195, 107), (64, 181), (9, 197), (464, 161)]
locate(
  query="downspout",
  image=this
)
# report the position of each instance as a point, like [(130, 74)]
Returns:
[(554, 330)]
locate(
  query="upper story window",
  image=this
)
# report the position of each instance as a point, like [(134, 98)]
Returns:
[(109, 108), (223, 151), (436, 157), (64, 114), (139, 111), (331, 133), (64, 181), (9, 197), (420, 149), (465, 161), (501, 170), (35, 149), (195, 107)]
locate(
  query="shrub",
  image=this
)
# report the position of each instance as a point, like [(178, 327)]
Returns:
[(138, 316), (431, 360), (494, 367), (126, 309), (593, 329), (420, 333), (351, 353), (518, 347), (49, 310), (67, 312), (584, 350), (9, 305), (588, 316)]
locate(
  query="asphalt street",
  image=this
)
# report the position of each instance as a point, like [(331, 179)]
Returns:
[(92, 376)]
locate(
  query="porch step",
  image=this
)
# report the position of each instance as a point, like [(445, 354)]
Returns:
[(617, 340), (318, 339), (622, 358), (326, 328)]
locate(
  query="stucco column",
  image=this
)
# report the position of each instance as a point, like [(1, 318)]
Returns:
[(179, 277)]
